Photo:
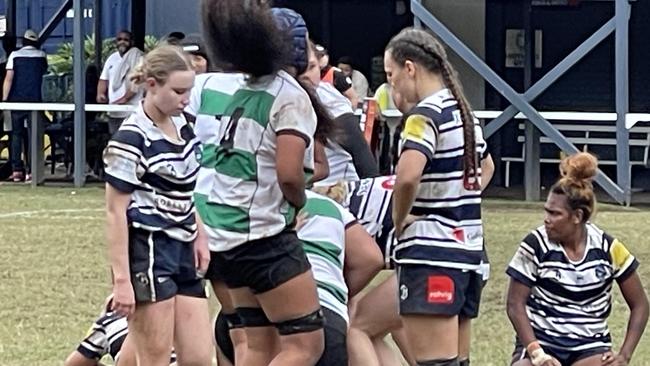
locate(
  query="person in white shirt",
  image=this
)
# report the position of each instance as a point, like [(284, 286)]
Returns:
[(113, 86), (359, 81)]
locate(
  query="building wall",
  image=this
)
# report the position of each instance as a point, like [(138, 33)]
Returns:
[(165, 16), (457, 15)]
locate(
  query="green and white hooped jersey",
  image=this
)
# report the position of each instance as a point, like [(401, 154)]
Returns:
[(323, 238), (237, 193)]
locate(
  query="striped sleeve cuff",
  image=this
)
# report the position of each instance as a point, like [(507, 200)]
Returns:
[(412, 145), (519, 277), (119, 184), (88, 353), (627, 272)]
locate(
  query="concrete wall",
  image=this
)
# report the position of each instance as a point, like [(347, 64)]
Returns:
[(466, 19)]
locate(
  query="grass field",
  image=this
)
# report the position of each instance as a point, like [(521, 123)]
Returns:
[(54, 277)]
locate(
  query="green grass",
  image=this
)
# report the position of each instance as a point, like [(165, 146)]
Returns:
[(54, 275)]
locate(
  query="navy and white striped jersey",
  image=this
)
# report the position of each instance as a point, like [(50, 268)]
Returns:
[(160, 173), (570, 300), (449, 233), (370, 201), (106, 336)]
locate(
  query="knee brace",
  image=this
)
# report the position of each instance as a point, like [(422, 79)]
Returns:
[(233, 321), (222, 335), (439, 362), (464, 362), (253, 317), (305, 324)]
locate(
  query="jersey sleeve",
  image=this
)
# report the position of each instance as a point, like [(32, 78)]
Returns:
[(347, 217), (195, 95), (623, 261), (122, 159), (95, 344), (525, 263), (420, 133), (10, 61), (293, 113)]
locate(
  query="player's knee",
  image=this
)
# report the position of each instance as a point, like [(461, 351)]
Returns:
[(440, 362), (196, 357)]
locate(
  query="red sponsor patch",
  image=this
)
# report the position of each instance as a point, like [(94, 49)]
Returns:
[(389, 183), (459, 235), (440, 290)]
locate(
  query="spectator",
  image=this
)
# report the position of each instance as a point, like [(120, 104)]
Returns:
[(25, 70), (114, 78), (193, 46), (175, 38), (334, 76), (359, 81)]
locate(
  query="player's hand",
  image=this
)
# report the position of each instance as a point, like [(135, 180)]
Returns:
[(540, 358), (301, 220), (407, 221), (101, 98), (201, 253), (410, 219), (123, 298), (612, 359), (552, 362)]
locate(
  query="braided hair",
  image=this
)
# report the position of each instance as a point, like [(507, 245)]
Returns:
[(424, 49)]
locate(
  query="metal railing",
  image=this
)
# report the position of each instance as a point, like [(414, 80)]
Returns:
[(36, 138), (38, 130)]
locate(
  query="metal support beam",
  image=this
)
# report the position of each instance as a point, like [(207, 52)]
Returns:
[(79, 73), (623, 172), (10, 18), (327, 24), (532, 179), (510, 94), (553, 75), (36, 150), (54, 21), (416, 21), (97, 25), (138, 22)]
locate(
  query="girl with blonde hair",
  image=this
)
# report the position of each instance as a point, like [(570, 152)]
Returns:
[(157, 247)]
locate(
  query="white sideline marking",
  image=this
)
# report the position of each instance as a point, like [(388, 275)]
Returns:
[(32, 213)]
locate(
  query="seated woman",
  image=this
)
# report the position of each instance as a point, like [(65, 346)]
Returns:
[(561, 279)]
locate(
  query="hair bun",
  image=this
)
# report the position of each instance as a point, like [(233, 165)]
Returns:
[(138, 74), (580, 167)]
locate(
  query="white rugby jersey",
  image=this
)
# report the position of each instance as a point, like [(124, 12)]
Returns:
[(570, 300), (160, 173), (332, 99), (450, 232), (370, 200), (106, 336), (237, 193), (323, 238)]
